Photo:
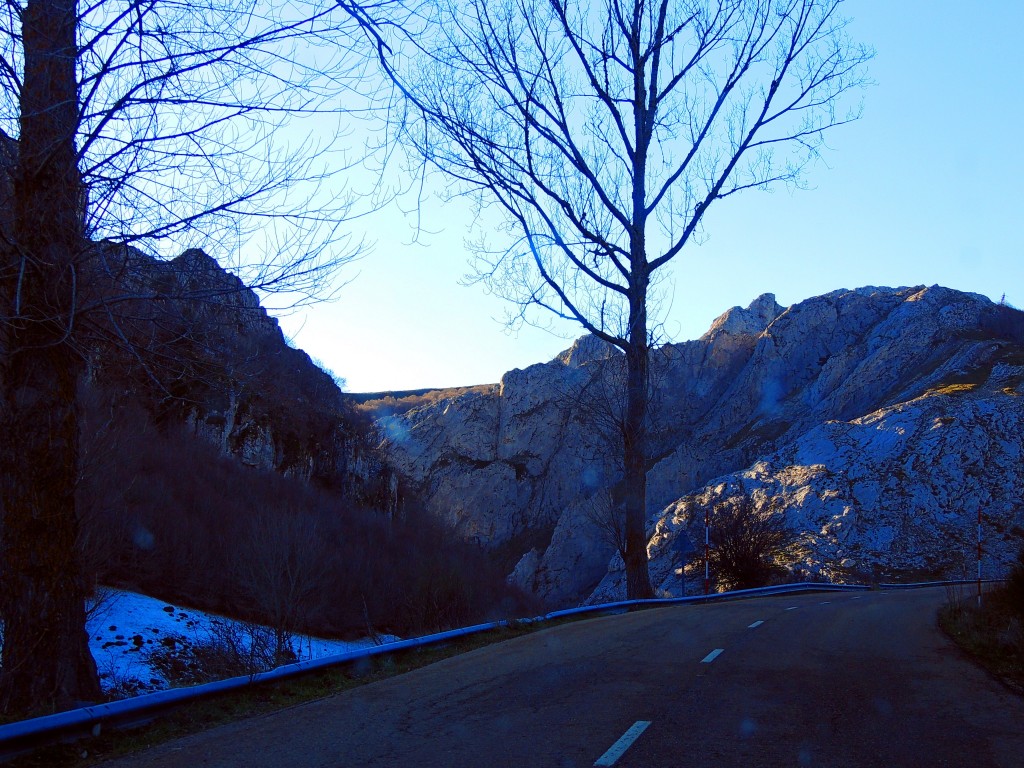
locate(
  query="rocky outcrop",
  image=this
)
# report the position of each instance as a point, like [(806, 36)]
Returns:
[(196, 347), (504, 463), (838, 356), (783, 396), (894, 494)]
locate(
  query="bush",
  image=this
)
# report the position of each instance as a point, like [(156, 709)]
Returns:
[(747, 543), (993, 633), (230, 649)]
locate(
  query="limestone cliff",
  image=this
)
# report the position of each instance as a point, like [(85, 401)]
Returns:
[(893, 494), (197, 347), (786, 396), (502, 464)]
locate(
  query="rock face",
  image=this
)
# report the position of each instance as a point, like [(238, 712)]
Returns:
[(204, 352), (878, 419), (190, 342), (502, 466), (891, 495)]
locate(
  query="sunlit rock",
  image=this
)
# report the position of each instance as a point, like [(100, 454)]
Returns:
[(877, 418)]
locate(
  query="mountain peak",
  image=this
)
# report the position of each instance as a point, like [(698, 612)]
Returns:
[(586, 349), (746, 322)]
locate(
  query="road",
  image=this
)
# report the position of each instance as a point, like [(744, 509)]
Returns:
[(829, 679)]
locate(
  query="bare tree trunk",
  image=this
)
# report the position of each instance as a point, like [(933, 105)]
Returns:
[(638, 580), (46, 662)]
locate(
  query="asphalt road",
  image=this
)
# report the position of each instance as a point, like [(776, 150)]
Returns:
[(828, 679)]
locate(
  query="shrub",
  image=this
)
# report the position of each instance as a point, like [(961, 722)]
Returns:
[(993, 633), (228, 649), (747, 543)]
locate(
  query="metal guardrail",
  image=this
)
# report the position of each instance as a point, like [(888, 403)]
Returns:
[(16, 738), (947, 583), (736, 594)]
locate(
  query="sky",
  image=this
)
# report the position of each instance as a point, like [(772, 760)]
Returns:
[(924, 189)]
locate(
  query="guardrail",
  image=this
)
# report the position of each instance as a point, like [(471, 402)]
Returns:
[(947, 583), (22, 736), (736, 594)]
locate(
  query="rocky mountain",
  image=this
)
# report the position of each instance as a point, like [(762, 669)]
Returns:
[(876, 420), (197, 348), (223, 469), (190, 343)]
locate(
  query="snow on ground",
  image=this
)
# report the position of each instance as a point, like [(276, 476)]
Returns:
[(127, 630)]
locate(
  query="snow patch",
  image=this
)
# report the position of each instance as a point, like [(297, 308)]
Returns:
[(125, 628)]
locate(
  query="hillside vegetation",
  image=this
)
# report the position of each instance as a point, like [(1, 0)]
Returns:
[(169, 515), (222, 469)]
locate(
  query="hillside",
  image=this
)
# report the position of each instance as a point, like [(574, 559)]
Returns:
[(224, 470), (785, 404), (221, 468), (197, 348)]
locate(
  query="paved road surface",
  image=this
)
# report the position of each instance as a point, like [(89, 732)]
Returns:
[(832, 679)]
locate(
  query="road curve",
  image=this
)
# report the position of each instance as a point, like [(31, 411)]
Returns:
[(830, 679)]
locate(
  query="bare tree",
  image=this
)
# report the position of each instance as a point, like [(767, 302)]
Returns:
[(603, 132), (606, 516), (282, 569), (139, 122)]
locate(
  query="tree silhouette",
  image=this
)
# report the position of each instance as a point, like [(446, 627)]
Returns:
[(747, 543), (135, 121), (602, 132)]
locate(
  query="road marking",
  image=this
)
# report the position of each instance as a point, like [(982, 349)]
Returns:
[(618, 749), (793, 608), (755, 625), (712, 656), (824, 602), (856, 597)]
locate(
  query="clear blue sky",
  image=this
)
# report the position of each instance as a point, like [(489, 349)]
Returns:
[(924, 189)]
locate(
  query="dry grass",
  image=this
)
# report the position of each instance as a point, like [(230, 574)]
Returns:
[(993, 634), (954, 389), (381, 404)]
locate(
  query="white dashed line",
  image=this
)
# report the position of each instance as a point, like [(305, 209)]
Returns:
[(824, 602), (618, 749), (856, 598), (755, 625), (712, 656), (793, 608)]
